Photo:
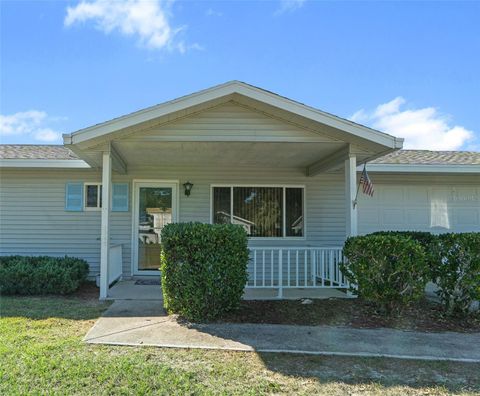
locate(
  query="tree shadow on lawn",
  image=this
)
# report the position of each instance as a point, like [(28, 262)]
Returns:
[(386, 372), (446, 376), (325, 370)]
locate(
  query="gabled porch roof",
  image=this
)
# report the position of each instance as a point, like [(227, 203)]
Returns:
[(318, 141)]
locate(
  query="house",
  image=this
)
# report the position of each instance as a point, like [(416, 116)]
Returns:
[(286, 171)]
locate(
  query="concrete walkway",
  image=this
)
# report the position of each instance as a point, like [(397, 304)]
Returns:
[(134, 322)]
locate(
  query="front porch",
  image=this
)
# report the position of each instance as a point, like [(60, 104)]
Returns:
[(130, 290), (273, 273), (284, 171)]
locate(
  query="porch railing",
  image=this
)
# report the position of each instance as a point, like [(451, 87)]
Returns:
[(295, 267), (115, 263)]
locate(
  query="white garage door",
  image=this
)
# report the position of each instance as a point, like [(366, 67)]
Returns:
[(421, 208)]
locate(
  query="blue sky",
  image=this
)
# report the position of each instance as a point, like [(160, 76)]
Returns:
[(408, 68)]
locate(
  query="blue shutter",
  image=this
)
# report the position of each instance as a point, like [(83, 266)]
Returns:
[(120, 197), (74, 196)]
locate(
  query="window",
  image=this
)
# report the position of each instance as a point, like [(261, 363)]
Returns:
[(262, 211), (93, 196)]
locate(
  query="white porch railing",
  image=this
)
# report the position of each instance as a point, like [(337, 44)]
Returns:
[(115, 264), (299, 267)]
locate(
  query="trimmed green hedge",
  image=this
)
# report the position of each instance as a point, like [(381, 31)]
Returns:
[(204, 269), (459, 274), (26, 275), (389, 270), (429, 243)]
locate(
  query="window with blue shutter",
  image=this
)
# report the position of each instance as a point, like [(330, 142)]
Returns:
[(120, 197), (74, 196)]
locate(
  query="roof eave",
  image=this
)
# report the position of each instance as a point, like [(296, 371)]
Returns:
[(43, 163), (423, 168), (224, 91)]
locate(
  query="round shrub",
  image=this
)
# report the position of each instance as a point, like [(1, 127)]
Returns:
[(388, 270), (24, 275), (204, 269), (459, 271), (430, 244)]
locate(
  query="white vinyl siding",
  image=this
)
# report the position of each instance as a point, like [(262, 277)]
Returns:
[(231, 120), (33, 219)]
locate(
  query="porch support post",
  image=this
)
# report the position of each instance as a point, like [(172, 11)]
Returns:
[(350, 192), (105, 228)]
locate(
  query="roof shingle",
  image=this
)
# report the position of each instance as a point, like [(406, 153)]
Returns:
[(426, 157), (31, 151)]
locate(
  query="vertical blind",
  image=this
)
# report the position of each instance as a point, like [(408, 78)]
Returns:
[(262, 211)]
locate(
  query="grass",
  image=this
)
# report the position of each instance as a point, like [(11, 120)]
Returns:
[(41, 352)]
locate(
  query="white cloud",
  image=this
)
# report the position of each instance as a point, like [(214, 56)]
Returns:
[(30, 124), (148, 20), (212, 13), (46, 135), (424, 128), (289, 6)]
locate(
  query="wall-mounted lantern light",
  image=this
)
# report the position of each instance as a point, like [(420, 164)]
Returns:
[(188, 187)]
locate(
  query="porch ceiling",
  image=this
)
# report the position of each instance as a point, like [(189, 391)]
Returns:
[(261, 154)]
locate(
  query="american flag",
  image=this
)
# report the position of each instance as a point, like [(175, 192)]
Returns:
[(366, 183)]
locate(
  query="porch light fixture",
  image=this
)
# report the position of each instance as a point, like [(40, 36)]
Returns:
[(188, 187)]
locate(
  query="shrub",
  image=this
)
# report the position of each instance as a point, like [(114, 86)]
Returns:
[(389, 270), (430, 246), (41, 275), (204, 269), (459, 271)]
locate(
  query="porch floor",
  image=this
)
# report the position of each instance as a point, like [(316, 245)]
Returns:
[(128, 290), (292, 293)]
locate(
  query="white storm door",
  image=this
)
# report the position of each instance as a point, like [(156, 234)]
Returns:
[(155, 205)]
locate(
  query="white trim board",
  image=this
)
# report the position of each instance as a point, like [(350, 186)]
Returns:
[(43, 163), (421, 168)]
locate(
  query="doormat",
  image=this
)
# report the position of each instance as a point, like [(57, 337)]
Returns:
[(148, 282)]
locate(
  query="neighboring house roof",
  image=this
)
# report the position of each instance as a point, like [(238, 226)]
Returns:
[(398, 161)]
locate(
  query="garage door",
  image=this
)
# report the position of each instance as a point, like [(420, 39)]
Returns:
[(421, 208)]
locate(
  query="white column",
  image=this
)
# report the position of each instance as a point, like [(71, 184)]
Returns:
[(350, 192), (105, 235)]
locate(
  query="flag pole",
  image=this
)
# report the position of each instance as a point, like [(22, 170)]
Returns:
[(358, 187)]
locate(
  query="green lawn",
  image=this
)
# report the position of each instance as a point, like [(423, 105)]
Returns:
[(41, 352)]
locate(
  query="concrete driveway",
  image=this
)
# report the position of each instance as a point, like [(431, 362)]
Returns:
[(136, 322)]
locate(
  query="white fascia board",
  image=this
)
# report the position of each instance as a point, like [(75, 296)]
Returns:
[(147, 114), (224, 90), (43, 163), (421, 168), (320, 116)]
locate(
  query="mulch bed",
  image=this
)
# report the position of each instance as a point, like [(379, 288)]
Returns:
[(88, 291), (423, 316)]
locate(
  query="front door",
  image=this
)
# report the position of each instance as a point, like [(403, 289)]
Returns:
[(155, 206)]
